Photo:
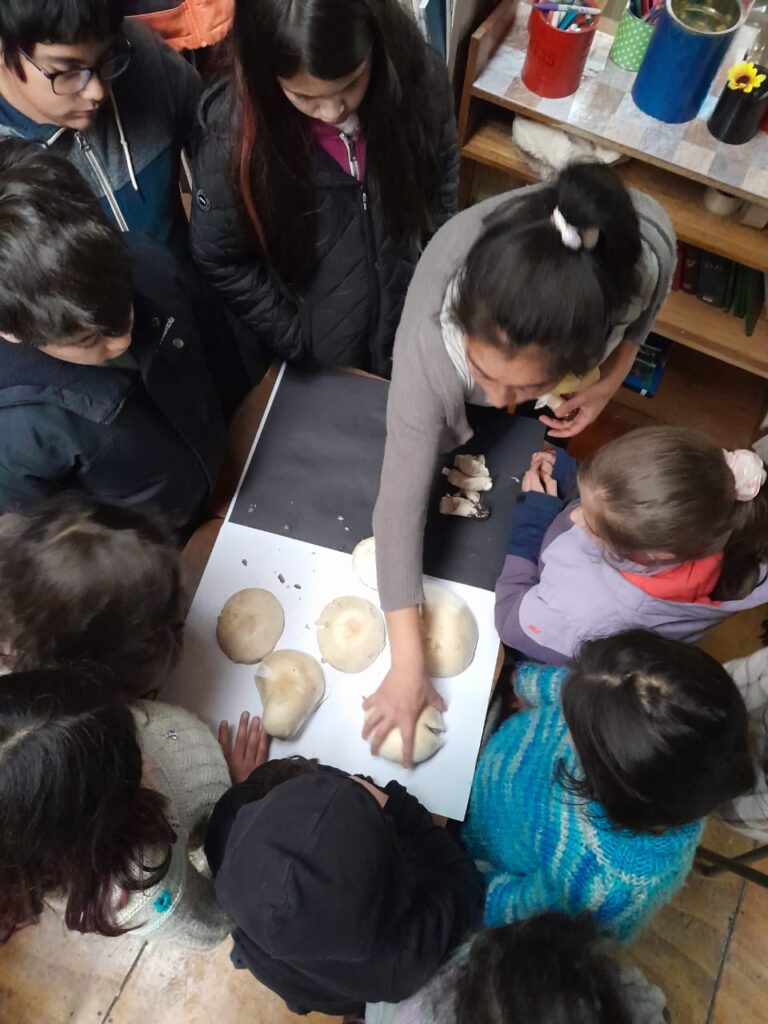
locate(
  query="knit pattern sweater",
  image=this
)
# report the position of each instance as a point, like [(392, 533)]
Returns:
[(541, 847), (183, 761)]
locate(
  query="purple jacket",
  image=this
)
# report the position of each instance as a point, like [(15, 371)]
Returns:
[(546, 608)]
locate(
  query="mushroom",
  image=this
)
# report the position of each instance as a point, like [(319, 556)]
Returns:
[(291, 685), (449, 631), (471, 465), (463, 505), (351, 633), (250, 624), (427, 739), (467, 483), (364, 563)]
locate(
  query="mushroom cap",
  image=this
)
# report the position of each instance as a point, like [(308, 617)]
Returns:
[(291, 685), (427, 740), (364, 563), (250, 624), (351, 633), (449, 631)]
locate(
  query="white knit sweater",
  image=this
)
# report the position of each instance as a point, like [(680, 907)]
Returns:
[(183, 761)]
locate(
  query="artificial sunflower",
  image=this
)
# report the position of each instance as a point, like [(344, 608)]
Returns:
[(744, 76)]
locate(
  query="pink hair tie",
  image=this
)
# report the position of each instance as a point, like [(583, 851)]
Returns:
[(748, 472)]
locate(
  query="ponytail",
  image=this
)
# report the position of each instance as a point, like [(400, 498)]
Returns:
[(552, 268)]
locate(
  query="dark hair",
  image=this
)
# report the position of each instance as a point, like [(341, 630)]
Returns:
[(521, 286), (63, 268), (659, 728), (81, 581), (74, 815), (546, 970), (671, 490), (23, 23), (330, 39)]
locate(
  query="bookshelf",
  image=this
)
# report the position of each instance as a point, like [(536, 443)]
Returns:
[(493, 95)]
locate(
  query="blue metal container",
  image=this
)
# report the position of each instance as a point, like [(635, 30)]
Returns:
[(684, 54)]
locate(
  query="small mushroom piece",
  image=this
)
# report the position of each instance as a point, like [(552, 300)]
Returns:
[(250, 624), (351, 634), (467, 483), (291, 685), (364, 563), (471, 465), (427, 740), (463, 505), (449, 631)]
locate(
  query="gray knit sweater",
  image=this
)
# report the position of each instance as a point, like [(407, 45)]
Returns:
[(426, 414)]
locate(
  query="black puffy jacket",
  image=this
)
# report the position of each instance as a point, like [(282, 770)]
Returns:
[(349, 314)]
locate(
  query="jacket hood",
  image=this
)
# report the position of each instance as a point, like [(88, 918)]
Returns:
[(15, 125), (305, 871)]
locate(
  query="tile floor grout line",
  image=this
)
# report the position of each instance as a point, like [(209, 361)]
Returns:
[(726, 951), (123, 983)]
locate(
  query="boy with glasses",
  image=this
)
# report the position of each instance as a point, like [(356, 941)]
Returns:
[(110, 97)]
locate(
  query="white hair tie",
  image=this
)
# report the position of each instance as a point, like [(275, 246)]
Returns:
[(748, 472), (574, 238)]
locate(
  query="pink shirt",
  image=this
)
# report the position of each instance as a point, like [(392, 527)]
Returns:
[(347, 150)]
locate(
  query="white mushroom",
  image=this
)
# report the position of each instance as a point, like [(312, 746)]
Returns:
[(291, 685), (449, 631), (250, 624), (427, 740), (471, 465), (467, 483), (464, 505), (351, 633), (364, 562)]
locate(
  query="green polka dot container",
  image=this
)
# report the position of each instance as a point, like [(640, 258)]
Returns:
[(631, 42)]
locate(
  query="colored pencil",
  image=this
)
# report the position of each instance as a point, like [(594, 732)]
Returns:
[(566, 8)]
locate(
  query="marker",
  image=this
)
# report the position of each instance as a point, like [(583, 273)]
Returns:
[(566, 8)]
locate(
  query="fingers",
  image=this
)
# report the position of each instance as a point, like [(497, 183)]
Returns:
[(550, 486), (408, 729), (373, 720), (241, 736), (543, 460), (436, 701), (223, 738), (382, 730), (532, 481), (253, 740)]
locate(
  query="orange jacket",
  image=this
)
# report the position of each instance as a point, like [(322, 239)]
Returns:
[(186, 24)]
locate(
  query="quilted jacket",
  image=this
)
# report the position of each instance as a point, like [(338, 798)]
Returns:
[(350, 311), (185, 24)]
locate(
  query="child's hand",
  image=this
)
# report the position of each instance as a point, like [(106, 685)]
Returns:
[(541, 480), (544, 461), (250, 749)]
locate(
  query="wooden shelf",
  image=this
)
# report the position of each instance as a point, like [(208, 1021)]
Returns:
[(492, 145), (683, 318)]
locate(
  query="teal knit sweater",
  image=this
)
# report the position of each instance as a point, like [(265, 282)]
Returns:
[(542, 848)]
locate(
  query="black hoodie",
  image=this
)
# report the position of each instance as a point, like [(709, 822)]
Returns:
[(336, 903)]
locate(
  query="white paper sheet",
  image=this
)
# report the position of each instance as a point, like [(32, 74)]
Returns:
[(209, 684)]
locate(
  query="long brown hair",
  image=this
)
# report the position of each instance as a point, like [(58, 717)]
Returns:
[(668, 489), (399, 116), (75, 818)]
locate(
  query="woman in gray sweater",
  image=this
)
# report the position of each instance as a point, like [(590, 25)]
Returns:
[(509, 298)]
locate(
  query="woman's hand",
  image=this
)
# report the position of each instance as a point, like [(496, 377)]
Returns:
[(583, 408), (250, 749), (406, 688)]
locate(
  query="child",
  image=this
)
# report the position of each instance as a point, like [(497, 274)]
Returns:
[(340, 893), (111, 98), (104, 386), (87, 582), (749, 813), (549, 969), (98, 802), (591, 798), (671, 534), (510, 296), (326, 160)]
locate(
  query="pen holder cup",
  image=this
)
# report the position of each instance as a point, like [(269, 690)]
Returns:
[(686, 49), (632, 38), (554, 60)]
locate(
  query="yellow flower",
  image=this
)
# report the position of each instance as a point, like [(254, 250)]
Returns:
[(744, 76)]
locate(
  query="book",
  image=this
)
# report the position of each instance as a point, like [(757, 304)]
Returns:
[(712, 282), (678, 271), (648, 367), (690, 275)]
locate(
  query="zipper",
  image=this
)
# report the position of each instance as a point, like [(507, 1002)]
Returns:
[(102, 179), (349, 145)]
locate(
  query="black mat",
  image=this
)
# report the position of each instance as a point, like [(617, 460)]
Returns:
[(314, 475)]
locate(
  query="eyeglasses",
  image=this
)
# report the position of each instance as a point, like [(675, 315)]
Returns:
[(68, 83)]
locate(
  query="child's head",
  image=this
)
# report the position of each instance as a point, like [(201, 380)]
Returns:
[(74, 816), (540, 286), (328, 59), (47, 48), (65, 273), (547, 969), (659, 728), (81, 581), (666, 494)]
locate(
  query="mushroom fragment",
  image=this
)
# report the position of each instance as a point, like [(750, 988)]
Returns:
[(291, 685)]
